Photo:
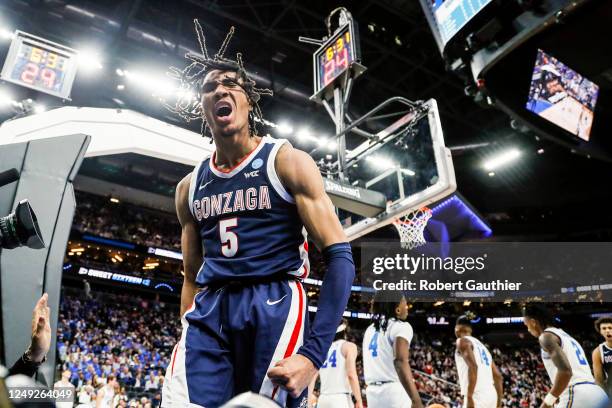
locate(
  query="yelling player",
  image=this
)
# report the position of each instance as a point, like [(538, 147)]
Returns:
[(573, 384), (602, 355), (386, 358), (243, 213), (338, 375), (480, 380)]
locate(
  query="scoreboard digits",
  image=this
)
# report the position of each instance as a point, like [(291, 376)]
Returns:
[(337, 55), (39, 64), (39, 68)]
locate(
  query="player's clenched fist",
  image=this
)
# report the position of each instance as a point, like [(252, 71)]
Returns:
[(293, 374)]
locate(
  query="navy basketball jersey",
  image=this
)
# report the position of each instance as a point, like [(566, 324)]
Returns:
[(249, 224), (606, 361)]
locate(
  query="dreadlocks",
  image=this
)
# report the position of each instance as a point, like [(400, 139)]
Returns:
[(383, 309), (189, 105)]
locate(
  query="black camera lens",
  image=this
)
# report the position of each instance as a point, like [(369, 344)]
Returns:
[(20, 228)]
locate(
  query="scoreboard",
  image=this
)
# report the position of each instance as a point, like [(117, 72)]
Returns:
[(41, 65), (337, 55)]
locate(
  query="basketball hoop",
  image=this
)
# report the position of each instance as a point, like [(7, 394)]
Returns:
[(411, 226)]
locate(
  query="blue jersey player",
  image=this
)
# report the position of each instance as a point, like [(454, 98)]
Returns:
[(244, 214)]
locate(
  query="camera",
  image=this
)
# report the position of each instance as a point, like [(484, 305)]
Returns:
[(20, 228)]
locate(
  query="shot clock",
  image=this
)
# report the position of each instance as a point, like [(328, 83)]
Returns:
[(39, 64), (338, 54)]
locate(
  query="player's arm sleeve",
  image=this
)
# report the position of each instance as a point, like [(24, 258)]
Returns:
[(302, 178), (333, 298)]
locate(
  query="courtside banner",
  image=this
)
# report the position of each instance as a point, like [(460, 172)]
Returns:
[(492, 271)]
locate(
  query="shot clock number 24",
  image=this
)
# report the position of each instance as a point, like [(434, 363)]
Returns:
[(337, 58)]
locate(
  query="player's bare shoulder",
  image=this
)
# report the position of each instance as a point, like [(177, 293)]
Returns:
[(348, 347), (296, 168)]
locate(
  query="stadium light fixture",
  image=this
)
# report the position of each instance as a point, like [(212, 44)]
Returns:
[(114, 200), (89, 60), (5, 98), (284, 128), (161, 85), (501, 159), (382, 163), (305, 135), (6, 34)]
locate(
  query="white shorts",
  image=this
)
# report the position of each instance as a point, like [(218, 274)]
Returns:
[(389, 395), (583, 395), (335, 401), (483, 400)]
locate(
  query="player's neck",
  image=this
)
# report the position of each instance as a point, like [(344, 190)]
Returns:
[(231, 150), (609, 344)]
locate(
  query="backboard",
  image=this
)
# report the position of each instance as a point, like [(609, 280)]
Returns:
[(411, 166)]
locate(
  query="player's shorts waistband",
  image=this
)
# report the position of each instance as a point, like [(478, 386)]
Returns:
[(250, 281), (377, 383), (582, 383)]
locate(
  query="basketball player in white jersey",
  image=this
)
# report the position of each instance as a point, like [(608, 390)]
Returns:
[(480, 380), (573, 385), (386, 358), (104, 397), (338, 375), (602, 355)]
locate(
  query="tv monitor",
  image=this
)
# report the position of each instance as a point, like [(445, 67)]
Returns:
[(448, 17), (562, 96)]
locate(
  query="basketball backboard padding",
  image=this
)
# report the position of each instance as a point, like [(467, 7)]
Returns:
[(357, 200)]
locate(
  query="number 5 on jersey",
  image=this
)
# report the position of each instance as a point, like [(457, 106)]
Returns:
[(229, 239)]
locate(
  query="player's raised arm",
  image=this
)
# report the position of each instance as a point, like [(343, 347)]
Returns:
[(598, 371), (498, 381), (190, 244), (550, 344), (464, 346), (402, 366), (349, 350), (300, 176)]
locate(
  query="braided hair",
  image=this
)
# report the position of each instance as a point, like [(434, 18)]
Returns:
[(189, 104), (383, 309)]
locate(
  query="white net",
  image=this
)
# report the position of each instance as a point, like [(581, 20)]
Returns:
[(411, 226)]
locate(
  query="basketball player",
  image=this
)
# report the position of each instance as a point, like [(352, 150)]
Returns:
[(386, 358), (243, 213), (602, 355), (339, 374), (573, 384), (480, 380), (106, 393)]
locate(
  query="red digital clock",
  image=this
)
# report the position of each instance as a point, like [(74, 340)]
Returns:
[(41, 65), (336, 56)]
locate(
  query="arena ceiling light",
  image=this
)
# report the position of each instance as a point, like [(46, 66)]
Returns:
[(284, 128), (39, 108), (381, 162), (6, 98), (89, 60), (5, 34), (501, 159), (159, 84), (306, 135)]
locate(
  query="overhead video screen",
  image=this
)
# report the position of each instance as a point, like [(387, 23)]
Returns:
[(452, 15), (562, 96)]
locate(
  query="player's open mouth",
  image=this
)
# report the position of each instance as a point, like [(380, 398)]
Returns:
[(223, 109)]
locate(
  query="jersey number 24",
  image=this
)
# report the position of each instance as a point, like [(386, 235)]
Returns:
[(331, 359)]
